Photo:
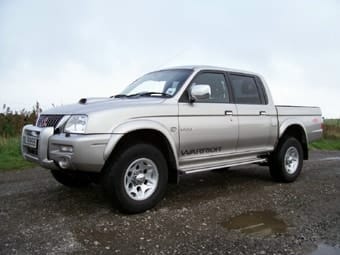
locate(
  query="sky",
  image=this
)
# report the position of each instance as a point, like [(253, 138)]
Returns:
[(57, 52)]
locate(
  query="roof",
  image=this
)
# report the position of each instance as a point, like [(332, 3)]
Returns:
[(207, 67)]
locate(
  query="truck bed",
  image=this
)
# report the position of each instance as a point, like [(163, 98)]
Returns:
[(309, 116)]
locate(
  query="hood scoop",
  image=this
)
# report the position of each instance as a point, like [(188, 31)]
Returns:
[(92, 100)]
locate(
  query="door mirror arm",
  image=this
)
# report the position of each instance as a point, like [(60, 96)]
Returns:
[(191, 98)]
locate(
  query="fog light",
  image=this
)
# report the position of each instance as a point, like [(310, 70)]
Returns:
[(66, 148), (64, 163)]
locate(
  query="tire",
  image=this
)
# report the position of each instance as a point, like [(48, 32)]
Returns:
[(137, 178), (287, 160), (72, 179)]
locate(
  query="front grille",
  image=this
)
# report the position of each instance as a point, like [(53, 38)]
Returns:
[(48, 120), (32, 151)]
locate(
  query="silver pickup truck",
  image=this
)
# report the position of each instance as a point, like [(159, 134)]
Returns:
[(176, 121)]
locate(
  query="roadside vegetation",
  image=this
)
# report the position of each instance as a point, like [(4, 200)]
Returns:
[(331, 136), (11, 123), (10, 156)]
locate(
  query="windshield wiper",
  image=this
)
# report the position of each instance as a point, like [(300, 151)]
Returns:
[(141, 94)]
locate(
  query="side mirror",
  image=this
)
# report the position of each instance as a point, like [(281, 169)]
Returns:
[(200, 91)]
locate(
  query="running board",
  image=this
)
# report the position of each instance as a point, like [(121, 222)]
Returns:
[(209, 168)]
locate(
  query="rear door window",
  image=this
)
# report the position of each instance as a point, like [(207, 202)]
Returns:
[(245, 89)]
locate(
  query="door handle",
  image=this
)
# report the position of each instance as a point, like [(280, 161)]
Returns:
[(228, 113), (263, 113)]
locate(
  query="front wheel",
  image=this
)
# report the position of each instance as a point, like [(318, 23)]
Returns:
[(286, 162), (137, 178)]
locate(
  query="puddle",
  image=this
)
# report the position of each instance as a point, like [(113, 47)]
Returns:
[(324, 249), (262, 223)]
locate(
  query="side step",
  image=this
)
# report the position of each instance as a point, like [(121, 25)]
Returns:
[(200, 169)]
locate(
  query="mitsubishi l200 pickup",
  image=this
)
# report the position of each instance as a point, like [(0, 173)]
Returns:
[(168, 123)]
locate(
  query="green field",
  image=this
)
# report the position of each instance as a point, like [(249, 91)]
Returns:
[(325, 144), (10, 155)]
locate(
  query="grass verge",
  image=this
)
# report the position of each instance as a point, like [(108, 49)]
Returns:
[(326, 144), (10, 154)]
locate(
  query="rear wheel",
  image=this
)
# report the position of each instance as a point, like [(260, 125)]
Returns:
[(72, 179), (137, 178), (287, 160)]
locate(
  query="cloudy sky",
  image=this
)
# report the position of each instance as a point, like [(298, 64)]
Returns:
[(56, 52)]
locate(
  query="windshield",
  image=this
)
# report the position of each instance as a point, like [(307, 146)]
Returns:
[(160, 83)]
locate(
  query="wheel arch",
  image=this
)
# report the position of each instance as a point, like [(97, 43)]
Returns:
[(148, 132), (295, 129)]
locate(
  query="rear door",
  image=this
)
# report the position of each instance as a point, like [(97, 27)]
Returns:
[(256, 116)]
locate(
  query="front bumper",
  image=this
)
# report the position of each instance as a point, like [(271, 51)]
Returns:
[(80, 152)]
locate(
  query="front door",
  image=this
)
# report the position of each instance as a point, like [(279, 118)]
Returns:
[(208, 128)]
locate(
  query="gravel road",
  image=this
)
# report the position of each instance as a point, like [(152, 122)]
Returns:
[(239, 211)]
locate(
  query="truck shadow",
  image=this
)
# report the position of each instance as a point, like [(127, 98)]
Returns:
[(192, 189), (210, 185)]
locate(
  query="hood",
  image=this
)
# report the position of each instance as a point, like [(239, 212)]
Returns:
[(88, 105)]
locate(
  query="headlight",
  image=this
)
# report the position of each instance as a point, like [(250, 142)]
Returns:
[(76, 124)]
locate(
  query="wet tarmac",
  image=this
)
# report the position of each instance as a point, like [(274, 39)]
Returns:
[(324, 249), (239, 211)]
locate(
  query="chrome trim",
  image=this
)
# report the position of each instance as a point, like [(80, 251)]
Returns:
[(199, 170), (291, 160), (141, 179), (44, 136), (228, 113)]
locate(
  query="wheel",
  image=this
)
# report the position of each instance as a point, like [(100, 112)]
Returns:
[(286, 162), (71, 179), (137, 178)]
